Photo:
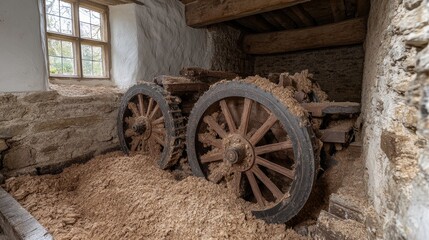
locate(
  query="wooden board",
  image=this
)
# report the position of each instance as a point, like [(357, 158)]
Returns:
[(338, 10), (17, 223), (321, 109), (335, 135), (196, 73), (177, 85), (345, 209), (205, 12), (330, 35)]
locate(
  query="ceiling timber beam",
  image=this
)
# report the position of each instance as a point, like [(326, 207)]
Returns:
[(330, 35), (205, 12), (338, 10)]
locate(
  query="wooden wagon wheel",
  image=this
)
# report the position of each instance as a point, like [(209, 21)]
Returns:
[(244, 137), (150, 121)]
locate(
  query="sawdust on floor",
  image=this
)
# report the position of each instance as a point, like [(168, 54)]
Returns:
[(74, 90), (128, 197)]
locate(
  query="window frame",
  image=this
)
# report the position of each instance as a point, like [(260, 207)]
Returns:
[(77, 41)]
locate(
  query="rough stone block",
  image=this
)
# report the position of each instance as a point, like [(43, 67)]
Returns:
[(65, 123), (419, 38), (11, 112), (409, 118), (41, 96), (19, 157), (3, 145), (13, 130), (412, 4), (45, 128), (391, 144), (423, 62)]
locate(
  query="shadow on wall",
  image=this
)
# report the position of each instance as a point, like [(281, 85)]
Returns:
[(339, 71)]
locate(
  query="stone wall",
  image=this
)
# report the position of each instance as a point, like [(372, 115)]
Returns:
[(227, 52), (337, 70), (43, 129), (394, 143)]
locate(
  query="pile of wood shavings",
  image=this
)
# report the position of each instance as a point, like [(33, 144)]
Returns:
[(120, 197)]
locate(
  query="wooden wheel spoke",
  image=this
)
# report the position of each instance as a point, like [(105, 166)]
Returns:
[(155, 109), (273, 147), (158, 121), (267, 182), (237, 183), (158, 140), (255, 188), (211, 157), (141, 104), (135, 143), (133, 107), (129, 120), (160, 131), (209, 140), (215, 126), (143, 145), (275, 167), (149, 107), (130, 133), (228, 117), (259, 134), (244, 123)]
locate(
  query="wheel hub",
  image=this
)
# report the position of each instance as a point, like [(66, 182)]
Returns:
[(238, 152), (142, 127)]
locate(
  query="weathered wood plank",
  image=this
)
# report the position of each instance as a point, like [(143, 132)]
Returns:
[(187, 1), (321, 109), (363, 7), (345, 209), (302, 16), (330, 35), (280, 18), (186, 87), (17, 223), (196, 73), (338, 10), (256, 23), (205, 12), (334, 135)]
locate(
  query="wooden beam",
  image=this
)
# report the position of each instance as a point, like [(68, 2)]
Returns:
[(106, 2), (205, 12), (362, 7), (338, 10), (331, 35), (320, 109), (299, 15), (273, 21), (115, 2), (280, 18), (256, 23), (187, 1)]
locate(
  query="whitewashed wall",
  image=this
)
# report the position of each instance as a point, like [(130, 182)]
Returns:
[(154, 38), (22, 62)]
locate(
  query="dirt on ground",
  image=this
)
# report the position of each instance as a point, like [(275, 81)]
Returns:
[(127, 197), (331, 177)]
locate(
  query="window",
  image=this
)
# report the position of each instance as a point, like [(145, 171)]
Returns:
[(77, 39)]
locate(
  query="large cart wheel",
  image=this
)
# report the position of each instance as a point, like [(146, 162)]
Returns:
[(252, 136), (150, 121)]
